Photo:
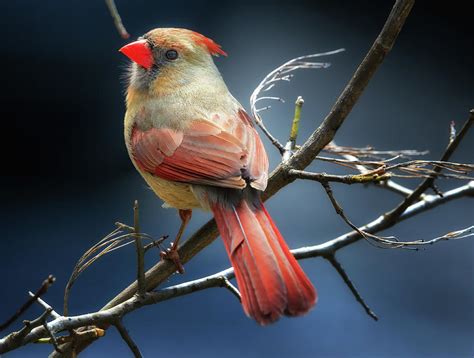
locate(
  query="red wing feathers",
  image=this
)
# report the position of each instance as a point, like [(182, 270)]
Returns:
[(216, 153)]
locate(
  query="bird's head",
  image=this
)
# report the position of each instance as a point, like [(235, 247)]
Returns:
[(167, 57)]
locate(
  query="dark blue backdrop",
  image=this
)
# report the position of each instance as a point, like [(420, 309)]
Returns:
[(66, 177)]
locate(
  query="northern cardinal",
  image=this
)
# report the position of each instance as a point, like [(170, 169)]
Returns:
[(196, 147)]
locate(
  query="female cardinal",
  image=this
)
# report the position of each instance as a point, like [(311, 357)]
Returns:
[(197, 148)]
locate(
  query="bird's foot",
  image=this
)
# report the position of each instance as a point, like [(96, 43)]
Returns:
[(172, 254)]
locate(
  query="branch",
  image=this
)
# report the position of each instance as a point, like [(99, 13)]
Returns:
[(128, 339), (117, 19), (219, 279), (387, 184), (427, 183), (43, 304), (370, 152), (139, 249), (345, 179), (340, 270), (41, 291)]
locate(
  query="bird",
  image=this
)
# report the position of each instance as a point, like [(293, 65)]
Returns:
[(196, 147)]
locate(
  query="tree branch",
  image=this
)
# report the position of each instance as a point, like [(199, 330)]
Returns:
[(110, 315), (387, 184), (43, 304), (41, 291), (365, 178), (117, 19), (128, 339), (428, 182), (340, 270)]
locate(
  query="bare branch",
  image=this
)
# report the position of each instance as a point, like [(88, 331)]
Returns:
[(43, 304), (387, 184), (41, 291), (382, 171), (234, 290), (117, 19), (370, 177), (110, 315), (15, 339), (51, 336), (155, 243), (370, 152), (128, 339), (383, 222), (415, 195), (140, 251), (340, 270)]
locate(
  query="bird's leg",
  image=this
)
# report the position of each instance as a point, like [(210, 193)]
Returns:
[(172, 252)]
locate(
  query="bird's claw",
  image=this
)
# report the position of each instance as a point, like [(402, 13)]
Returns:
[(173, 255)]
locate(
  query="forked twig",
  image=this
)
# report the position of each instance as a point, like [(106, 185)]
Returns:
[(41, 291)]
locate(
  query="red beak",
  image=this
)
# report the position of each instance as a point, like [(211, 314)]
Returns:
[(139, 52)]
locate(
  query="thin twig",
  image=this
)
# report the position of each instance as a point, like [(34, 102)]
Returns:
[(370, 177), (140, 250), (117, 19), (340, 270), (155, 243), (370, 152), (282, 73), (338, 208), (234, 290), (387, 184), (415, 195), (51, 336), (43, 304), (295, 127), (41, 291), (128, 339)]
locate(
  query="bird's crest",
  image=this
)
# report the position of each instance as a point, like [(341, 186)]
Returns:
[(213, 48)]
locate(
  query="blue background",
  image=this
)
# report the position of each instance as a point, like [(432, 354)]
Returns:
[(66, 177)]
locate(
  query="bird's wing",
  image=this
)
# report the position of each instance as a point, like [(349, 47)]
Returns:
[(225, 152)]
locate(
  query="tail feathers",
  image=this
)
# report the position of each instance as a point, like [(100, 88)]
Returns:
[(270, 279)]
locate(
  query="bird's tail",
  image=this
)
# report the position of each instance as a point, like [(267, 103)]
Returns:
[(270, 280)]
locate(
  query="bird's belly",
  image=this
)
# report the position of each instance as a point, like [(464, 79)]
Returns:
[(174, 194)]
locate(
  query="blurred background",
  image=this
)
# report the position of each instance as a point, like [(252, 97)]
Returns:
[(66, 177)]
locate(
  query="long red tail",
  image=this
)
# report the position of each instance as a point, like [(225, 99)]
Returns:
[(270, 279)]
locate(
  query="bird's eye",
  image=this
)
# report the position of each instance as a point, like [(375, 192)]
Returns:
[(171, 55)]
